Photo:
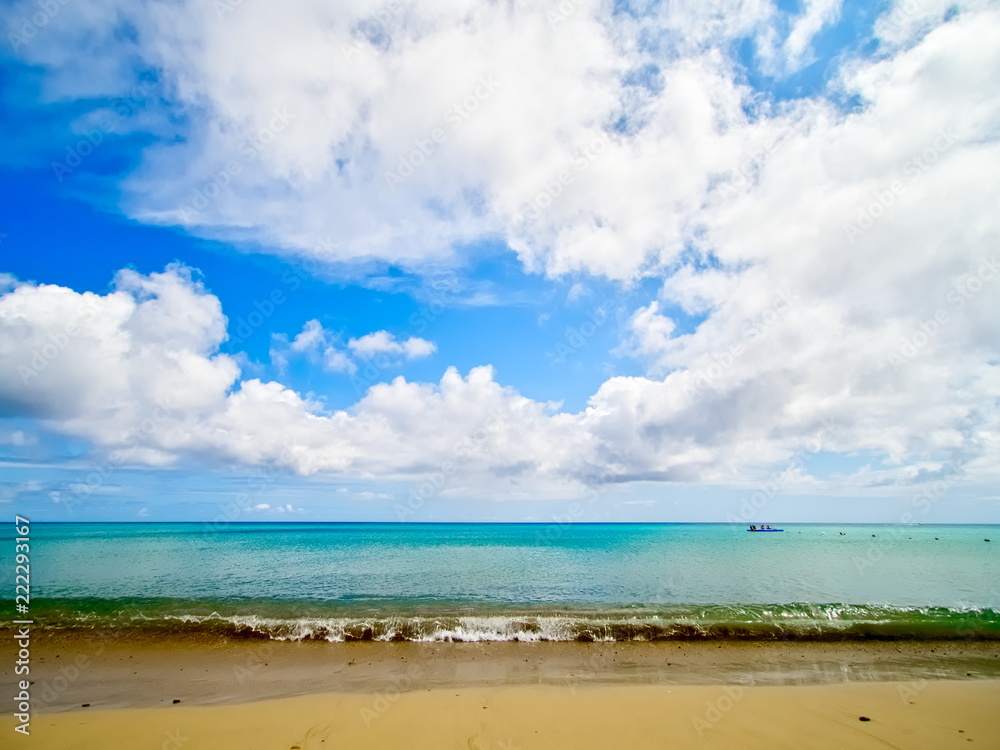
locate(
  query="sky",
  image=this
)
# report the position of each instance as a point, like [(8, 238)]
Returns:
[(701, 260)]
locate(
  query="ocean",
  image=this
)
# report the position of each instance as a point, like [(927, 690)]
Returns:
[(518, 582)]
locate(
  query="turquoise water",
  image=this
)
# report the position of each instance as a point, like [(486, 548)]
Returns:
[(520, 581)]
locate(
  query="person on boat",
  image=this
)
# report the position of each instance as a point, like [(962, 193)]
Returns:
[(752, 527)]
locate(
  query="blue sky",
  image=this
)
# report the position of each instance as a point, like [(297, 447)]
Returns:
[(653, 264)]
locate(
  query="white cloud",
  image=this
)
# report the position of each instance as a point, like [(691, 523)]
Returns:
[(688, 427), (871, 224), (577, 291), (907, 21), (815, 15), (652, 331), (141, 376), (369, 495), (813, 242), (17, 438), (601, 165), (315, 343), (383, 342), (586, 140), (699, 292), (120, 359), (311, 337), (12, 490), (338, 361), (267, 508), (321, 345)]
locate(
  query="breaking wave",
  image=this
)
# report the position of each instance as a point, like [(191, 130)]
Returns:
[(328, 621)]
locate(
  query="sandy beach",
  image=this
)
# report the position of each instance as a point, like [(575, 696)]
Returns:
[(99, 692), (938, 714)]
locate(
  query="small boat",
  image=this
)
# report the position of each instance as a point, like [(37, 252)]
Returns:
[(765, 529)]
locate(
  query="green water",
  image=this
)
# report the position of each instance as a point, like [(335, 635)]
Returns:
[(520, 581)]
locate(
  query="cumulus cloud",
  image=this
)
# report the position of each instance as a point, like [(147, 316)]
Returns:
[(815, 15), (369, 495), (383, 342), (312, 337), (119, 359), (401, 133), (10, 491), (159, 391), (837, 263), (878, 222), (315, 343), (267, 508), (405, 130), (320, 344), (18, 438), (847, 279), (138, 373), (651, 331)]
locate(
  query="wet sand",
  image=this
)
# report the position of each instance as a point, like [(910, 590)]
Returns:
[(266, 694)]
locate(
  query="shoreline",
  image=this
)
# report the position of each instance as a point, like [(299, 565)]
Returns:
[(103, 689), (110, 670)]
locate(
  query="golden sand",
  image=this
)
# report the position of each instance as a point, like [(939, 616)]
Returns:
[(932, 715), (113, 692)]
